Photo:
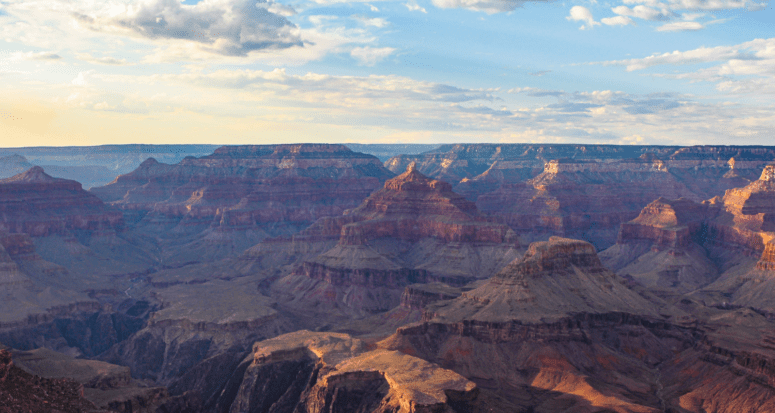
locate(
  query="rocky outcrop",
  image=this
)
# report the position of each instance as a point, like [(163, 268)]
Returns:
[(107, 386), (767, 260), (218, 205), (329, 372), (544, 325), (663, 248), (418, 296), (554, 279), (24, 393), (34, 203), (414, 230)]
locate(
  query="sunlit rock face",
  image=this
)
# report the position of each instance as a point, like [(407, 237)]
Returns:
[(330, 372)]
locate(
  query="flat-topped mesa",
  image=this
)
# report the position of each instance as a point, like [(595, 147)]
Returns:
[(664, 222), (244, 185), (555, 256), (37, 204)]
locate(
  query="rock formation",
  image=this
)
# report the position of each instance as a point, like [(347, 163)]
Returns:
[(414, 230), (556, 331), (329, 372), (218, 205), (584, 191), (24, 393), (34, 203), (661, 248)]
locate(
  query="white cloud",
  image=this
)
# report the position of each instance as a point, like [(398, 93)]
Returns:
[(643, 12), (82, 78), (700, 4), (413, 6), (680, 27), (281, 9), (487, 6), (369, 56), (105, 60), (700, 55), (225, 27), (44, 56), (617, 21), (582, 14), (378, 22)]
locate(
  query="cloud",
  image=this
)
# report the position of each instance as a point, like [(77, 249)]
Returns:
[(539, 73), (378, 22), (227, 27), (82, 78), (573, 107), (617, 21), (582, 14), (680, 27), (649, 106), (696, 56), (369, 56), (413, 6), (487, 6), (281, 9), (105, 60), (701, 4), (535, 92), (643, 12), (42, 56)]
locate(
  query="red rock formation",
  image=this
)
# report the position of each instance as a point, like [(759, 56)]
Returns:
[(412, 207), (414, 230), (665, 223), (583, 199), (248, 185), (34, 203), (216, 206), (329, 372)]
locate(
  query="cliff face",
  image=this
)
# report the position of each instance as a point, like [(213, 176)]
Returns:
[(414, 230), (34, 203), (329, 372), (555, 278), (218, 205), (567, 335), (584, 191), (663, 248), (24, 393)]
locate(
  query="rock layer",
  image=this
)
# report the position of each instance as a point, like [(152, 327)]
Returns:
[(328, 372), (414, 230), (218, 205), (34, 203)]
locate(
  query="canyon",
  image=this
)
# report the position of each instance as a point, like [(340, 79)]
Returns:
[(322, 278)]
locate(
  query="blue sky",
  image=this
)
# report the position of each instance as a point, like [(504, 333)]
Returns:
[(423, 71)]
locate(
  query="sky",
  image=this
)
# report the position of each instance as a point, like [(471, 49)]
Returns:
[(678, 72)]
